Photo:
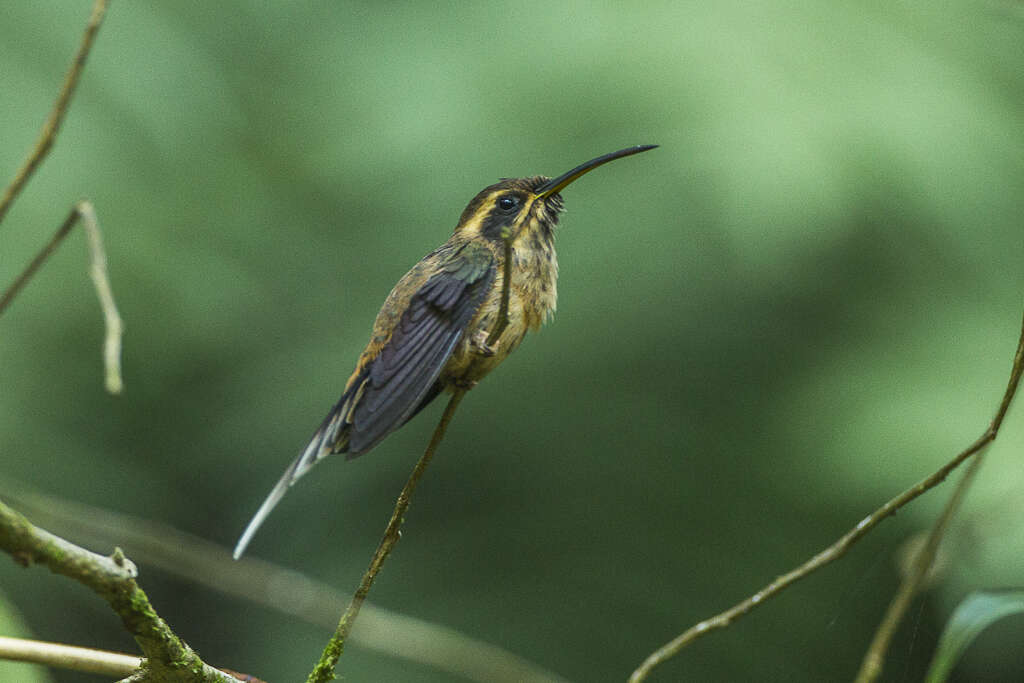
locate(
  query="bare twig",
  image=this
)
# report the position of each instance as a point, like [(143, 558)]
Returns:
[(60, 108), (59, 656), (111, 318), (98, 272), (871, 666), (19, 282), (112, 578), (324, 670), (841, 546)]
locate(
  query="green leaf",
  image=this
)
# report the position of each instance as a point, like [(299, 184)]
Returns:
[(970, 618)]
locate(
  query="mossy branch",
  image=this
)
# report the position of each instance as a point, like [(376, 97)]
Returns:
[(190, 558), (168, 658)]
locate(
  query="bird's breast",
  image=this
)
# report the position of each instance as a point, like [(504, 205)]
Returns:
[(532, 299), (535, 280)]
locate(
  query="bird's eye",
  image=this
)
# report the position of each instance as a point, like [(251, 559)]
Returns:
[(508, 203)]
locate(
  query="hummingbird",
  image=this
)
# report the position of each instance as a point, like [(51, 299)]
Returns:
[(432, 333)]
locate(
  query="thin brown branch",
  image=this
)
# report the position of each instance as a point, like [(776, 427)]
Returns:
[(843, 544), (324, 670), (60, 108), (160, 546), (58, 656), (168, 658), (874, 658), (98, 272), (19, 282)]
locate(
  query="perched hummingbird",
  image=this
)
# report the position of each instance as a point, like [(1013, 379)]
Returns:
[(431, 334)]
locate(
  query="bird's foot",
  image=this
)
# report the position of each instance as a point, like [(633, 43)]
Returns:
[(482, 347)]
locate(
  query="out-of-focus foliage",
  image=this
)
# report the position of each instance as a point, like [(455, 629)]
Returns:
[(970, 618), (12, 625), (805, 301)]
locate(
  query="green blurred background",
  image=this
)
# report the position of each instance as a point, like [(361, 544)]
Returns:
[(804, 301)]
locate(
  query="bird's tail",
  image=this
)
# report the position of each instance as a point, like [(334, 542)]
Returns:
[(276, 494), (331, 437)]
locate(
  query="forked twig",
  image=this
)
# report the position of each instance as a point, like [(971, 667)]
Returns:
[(871, 666), (98, 272), (839, 548)]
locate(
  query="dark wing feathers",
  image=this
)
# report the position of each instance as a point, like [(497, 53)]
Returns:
[(396, 384), (420, 345)]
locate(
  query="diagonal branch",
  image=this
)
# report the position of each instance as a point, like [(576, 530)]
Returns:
[(324, 670), (841, 546), (871, 666), (60, 108)]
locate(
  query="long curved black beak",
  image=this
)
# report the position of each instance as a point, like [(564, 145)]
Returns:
[(556, 184)]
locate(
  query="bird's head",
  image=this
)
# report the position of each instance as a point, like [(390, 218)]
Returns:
[(526, 206)]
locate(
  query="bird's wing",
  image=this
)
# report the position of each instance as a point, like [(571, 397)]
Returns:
[(407, 366), (394, 383)]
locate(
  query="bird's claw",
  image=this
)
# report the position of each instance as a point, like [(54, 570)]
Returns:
[(482, 347)]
